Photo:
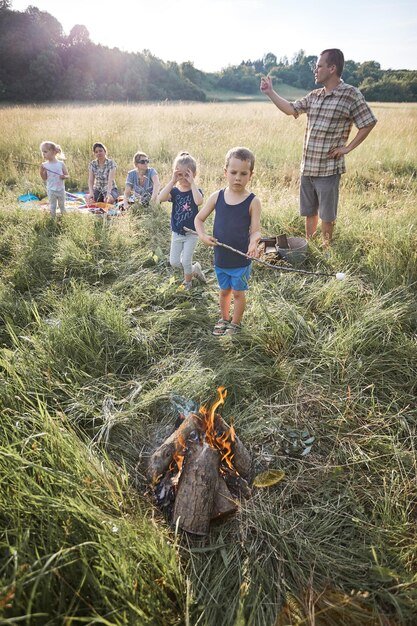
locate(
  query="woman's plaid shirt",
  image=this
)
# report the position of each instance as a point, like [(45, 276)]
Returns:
[(101, 174), (330, 119)]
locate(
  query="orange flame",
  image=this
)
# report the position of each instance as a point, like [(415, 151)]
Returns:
[(222, 442), (179, 454)]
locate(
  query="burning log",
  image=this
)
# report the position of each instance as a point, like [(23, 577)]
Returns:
[(198, 472), (240, 455), (162, 457), (197, 488)]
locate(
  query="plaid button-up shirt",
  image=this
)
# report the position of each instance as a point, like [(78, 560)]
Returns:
[(329, 121), (101, 174)]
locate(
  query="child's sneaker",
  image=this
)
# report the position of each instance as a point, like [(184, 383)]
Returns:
[(232, 329), (198, 272), (220, 328), (187, 284)]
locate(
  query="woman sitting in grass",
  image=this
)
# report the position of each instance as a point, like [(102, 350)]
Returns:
[(101, 178), (142, 183)]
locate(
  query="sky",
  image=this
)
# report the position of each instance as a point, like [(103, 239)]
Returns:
[(214, 34)]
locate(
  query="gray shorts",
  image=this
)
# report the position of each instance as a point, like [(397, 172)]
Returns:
[(319, 194)]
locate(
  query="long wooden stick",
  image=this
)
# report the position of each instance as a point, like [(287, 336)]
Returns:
[(34, 165), (274, 267)]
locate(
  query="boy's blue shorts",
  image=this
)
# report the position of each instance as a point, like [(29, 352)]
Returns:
[(236, 278)]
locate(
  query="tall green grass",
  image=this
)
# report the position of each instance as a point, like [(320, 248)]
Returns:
[(99, 346)]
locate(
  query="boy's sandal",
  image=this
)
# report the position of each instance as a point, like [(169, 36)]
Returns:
[(220, 327), (233, 329)]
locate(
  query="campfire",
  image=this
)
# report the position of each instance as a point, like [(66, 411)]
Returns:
[(199, 473)]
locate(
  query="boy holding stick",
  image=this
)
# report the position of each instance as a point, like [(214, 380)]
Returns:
[(237, 224)]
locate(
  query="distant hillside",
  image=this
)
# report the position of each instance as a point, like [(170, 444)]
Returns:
[(226, 95)]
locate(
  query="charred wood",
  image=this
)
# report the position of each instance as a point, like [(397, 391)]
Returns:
[(162, 457)]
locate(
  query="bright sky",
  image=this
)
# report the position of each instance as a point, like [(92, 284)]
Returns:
[(216, 33)]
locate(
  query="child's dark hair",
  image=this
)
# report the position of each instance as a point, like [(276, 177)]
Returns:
[(186, 160), (243, 154), (98, 144), (52, 146)]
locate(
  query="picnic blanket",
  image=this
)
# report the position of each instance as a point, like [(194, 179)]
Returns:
[(74, 202)]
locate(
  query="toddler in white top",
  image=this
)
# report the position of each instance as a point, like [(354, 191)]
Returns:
[(54, 172)]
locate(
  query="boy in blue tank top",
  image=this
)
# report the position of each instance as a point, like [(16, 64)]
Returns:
[(237, 224)]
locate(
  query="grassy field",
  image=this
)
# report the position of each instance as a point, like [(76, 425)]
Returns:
[(99, 347), (223, 95)]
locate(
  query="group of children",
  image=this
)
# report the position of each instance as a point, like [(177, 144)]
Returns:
[(236, 221)]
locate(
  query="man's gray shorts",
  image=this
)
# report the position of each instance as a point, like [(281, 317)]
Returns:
[(319, 194)]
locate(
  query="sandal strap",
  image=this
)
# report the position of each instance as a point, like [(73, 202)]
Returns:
[(232, 329), (220, 328), (222, 324)]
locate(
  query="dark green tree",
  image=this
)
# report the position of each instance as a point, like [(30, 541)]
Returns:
[(45, 76), (350, 73), (269, 61), (369, 69)]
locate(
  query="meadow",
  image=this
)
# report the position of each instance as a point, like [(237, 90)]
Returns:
[(100, 349)]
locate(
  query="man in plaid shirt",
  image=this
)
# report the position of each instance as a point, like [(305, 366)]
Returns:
[(331, 112)]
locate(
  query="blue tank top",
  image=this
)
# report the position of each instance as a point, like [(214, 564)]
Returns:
[(231, 226)]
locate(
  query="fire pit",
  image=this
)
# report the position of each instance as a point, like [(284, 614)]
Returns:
[(199, 473)]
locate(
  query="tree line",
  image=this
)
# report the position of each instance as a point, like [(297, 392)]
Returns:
[(39, 63), (375, 83)]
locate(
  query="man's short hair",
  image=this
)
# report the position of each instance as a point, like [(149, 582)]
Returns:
[(335, 57)]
